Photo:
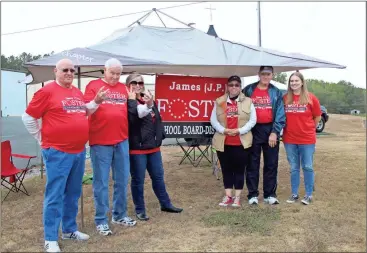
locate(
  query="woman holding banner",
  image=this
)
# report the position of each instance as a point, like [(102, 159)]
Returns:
[(145, 138), (233, 117)]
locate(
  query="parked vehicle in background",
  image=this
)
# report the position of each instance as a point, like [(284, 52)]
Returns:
[(324, 117)]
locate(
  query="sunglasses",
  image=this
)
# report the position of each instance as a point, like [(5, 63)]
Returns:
[(135, 83), (67, 70), (234, 85)]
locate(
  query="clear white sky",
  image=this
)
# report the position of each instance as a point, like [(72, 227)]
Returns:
[(332, 31)]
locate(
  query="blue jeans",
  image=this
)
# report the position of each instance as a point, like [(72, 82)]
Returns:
[(153, 163), (64, 174), (103, 158), (301, 154)]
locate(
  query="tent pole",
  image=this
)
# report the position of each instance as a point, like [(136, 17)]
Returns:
[(26, 95), (79, 84), (42, 164), (173, 18), (144, 18), (82, 208), (155, 10), (259, 22), (81, 197), (138, 21)]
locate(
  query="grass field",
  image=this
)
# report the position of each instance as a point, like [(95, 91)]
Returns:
[(334, 222)]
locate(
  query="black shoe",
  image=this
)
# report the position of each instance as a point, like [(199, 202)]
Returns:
[(171, 209), (142, 216)]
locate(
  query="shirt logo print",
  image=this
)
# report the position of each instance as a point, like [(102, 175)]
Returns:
[(232, 111), (73, 105), (115, 98), (295, 108), (261, 102)]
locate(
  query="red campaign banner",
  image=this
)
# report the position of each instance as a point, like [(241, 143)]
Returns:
[(187, 98)]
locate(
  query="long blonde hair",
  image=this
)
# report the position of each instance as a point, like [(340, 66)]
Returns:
[(304, 98)]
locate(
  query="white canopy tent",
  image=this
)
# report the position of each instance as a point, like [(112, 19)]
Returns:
[(193, 52), (184, 51)]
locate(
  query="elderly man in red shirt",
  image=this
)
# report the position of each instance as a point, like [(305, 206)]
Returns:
[(62, 137), (109, 145)]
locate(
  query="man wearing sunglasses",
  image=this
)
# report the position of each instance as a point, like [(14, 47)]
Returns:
[(109, 144), (63, 137), (269, 106)]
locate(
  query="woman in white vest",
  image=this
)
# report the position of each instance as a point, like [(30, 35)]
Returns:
[(233, 117)]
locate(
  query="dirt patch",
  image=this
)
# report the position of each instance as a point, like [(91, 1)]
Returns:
[(336, 221)]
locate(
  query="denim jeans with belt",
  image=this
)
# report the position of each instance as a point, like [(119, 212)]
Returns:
[(104, 157), (297, 155), (64, 174), (153, 163)]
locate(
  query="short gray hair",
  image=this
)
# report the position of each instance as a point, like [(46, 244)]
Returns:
[(113, 62)]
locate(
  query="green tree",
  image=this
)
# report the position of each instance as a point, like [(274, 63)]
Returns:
[(16, 62), (281, 78), (340, 97)]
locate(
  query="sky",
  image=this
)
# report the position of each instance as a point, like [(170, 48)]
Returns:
[(332, 31)]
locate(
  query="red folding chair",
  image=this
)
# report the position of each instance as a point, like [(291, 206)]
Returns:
[(12, 177)]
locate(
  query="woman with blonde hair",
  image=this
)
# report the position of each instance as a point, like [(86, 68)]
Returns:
[(233, 117), (145, 138), (303, 113)]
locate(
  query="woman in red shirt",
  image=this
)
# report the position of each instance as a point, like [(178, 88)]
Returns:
[(233, 117), (303, 113)]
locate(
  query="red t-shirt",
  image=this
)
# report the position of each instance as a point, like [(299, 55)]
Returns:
[(262, 103), (300, 127), (232, 123), (64, 117), (108, 125), (145, 151)]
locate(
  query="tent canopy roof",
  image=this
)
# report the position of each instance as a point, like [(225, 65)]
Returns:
[(186, 51)]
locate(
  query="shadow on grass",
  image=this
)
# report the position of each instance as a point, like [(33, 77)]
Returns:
[(251, 220)]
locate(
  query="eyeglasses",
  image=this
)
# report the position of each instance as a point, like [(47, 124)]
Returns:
[(67, 70), (234, 85), (135, 83)]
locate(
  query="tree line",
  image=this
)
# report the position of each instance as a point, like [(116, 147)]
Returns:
[(340, 97), (16, 62)]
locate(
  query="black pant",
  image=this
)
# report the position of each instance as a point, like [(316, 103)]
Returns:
[(233, 162), (261, 133)]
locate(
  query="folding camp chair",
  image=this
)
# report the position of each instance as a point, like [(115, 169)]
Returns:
[(12, 177), (192, 146)]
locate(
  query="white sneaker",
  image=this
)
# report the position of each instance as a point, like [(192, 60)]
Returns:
[(271, 201), (126, 221), (104, 229), (75, 236), (253, 201), (306, 200), (52, 246), (292, 198)]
